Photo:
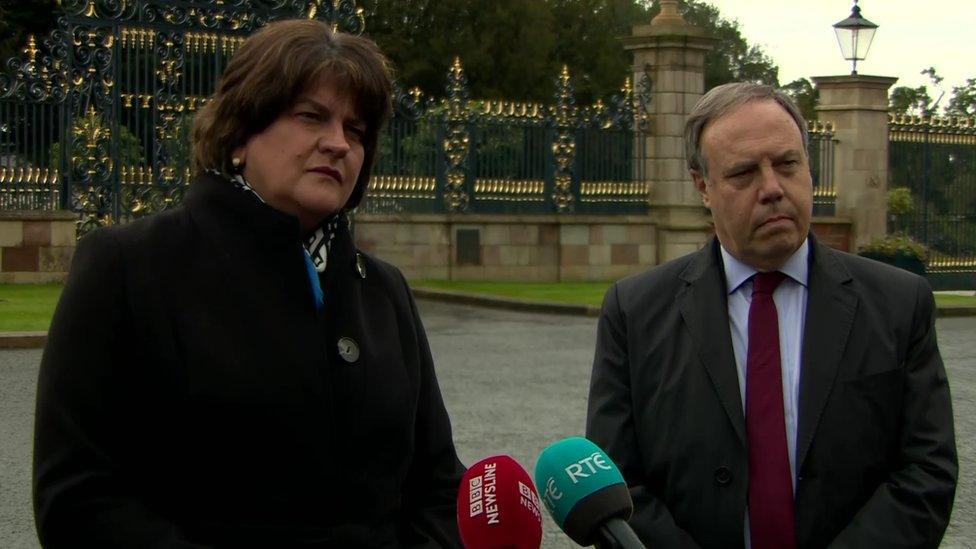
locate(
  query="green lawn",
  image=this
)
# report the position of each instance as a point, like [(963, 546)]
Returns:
[(577, 293), (27, 307), (955, 300), (583, 293)]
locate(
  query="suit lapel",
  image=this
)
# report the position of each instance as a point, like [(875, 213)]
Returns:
[(831, 304), (703, 302)]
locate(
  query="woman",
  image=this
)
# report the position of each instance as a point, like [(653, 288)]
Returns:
[(232, 372)]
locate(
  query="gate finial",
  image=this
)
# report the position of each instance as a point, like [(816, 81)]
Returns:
[(669, 14)]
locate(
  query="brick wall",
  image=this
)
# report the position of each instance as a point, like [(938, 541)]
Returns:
[(35, 247)]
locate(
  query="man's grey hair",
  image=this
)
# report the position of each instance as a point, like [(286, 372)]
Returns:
[(722, 99)]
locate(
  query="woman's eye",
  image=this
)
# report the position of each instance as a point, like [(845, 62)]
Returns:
[(308, 115), (357, 132)]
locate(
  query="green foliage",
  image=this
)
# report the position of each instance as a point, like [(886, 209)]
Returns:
[(733, 59), (593, 53), (918, 101), (905, 100), (178, 150), (514, 49), (412, 150), (900, 201), (915, 101), (806, 96), (19, 18), (895, 245), (422, 37), (963, 102), (510, 49)]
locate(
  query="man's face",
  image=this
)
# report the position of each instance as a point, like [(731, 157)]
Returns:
[(758, 185)]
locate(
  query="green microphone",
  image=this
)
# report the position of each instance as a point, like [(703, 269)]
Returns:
[(586, 494)]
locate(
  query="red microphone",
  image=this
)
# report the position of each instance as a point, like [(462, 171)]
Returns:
[(498, 506)]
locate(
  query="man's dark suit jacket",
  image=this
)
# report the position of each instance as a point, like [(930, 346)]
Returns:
[(876, 456)]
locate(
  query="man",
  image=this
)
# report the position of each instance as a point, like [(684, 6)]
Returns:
[(768, 391)]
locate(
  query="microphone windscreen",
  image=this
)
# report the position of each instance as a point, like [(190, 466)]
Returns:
[(498, 506), (581, 487)]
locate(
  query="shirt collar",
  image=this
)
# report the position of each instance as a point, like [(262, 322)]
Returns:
[(796, 267)]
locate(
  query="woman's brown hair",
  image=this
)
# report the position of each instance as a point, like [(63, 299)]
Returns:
[(273, 67)]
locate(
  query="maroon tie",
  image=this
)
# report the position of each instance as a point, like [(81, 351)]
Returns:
[(771, 520)]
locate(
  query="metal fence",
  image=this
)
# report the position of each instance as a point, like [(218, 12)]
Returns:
[(935, 158), (820, 149), (459, 155), (95, 117)]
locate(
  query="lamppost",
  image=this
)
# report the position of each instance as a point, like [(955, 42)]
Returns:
[(854, 35)]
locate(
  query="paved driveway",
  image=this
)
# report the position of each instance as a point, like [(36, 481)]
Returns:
[(513, 382)]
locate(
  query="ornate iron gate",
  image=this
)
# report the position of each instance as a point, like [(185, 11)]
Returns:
[(95, 117), (935, 158), (461, 155)]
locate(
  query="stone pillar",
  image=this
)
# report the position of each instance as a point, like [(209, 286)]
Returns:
[(670, 54), (857, 105)]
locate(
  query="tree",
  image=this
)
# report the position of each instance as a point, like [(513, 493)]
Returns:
[(806, 96), (422, 37), (514, 49), (963, 102), (511, 49), (19, 18), (595, 57), (915, 101), (733, 59)]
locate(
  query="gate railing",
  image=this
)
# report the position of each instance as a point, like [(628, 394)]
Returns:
[(935, 158), (95, 117), (461, 155), (820, 150)]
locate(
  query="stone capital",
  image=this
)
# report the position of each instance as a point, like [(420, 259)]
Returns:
[(853, 92)]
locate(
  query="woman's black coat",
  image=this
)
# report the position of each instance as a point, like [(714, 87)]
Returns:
[(190, 395)]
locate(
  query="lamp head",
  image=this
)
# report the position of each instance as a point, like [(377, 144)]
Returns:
[(854, 35)]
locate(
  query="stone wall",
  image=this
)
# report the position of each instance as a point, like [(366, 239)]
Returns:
[(510, 247), (35, 247), (532, 247)]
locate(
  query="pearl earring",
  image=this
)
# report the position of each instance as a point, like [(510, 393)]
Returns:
[(236, 162)]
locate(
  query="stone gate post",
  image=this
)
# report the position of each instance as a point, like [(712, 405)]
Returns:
[(857, 105), (670, 54)]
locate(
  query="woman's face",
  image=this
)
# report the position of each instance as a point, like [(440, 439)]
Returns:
[(307, 162)]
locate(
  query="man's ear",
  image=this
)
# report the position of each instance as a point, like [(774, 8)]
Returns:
[(700, 186)]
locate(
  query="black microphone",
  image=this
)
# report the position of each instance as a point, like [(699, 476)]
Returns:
[(586, 494)]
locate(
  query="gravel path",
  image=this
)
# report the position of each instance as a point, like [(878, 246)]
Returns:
[(513, 383)]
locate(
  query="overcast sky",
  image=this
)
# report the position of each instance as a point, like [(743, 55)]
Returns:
[(912, 35)]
